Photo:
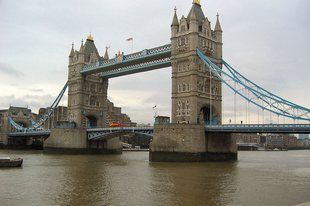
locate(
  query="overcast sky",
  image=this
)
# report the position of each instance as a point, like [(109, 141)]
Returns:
[(268, 41)]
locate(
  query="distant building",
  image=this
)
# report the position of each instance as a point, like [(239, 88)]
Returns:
[(248, 138), (268, 140), (303, 136), (114, 115), (22, 116), (59, 114)]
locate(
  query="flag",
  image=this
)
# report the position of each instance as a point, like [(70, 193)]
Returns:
[(129, 39), (154, 106)]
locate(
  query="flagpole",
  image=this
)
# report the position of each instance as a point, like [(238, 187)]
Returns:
[(132, 45)]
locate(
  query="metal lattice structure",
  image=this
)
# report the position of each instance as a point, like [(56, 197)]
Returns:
[(255, 94), (145, 60), (44, 118)]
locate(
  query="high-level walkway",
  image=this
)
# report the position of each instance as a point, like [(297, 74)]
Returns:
[(145, 60)]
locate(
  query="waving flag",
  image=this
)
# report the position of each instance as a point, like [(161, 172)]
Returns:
[(129, 39)]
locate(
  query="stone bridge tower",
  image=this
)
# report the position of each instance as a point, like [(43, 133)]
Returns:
[(87, 94), (196, 93)]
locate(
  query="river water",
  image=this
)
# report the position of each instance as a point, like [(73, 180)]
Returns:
[(257, 178)]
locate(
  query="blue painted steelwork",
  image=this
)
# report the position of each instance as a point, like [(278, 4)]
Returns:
[(261, 97), (159, 63), (259, 128), (105, 133), (125, 60), (46, 115), (28, 133)]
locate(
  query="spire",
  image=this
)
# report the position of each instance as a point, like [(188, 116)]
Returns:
[(106, 56), (72, 50), (175, 21), (82, 47), (218, 25)]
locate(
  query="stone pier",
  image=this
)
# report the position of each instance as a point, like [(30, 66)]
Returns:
[(74, 141), (190, 143)]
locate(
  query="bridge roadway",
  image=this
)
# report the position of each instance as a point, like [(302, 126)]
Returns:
[(97, 134), (107, 133)]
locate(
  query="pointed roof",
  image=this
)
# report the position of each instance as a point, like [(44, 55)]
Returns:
[(89, 47), (218, 25), (175, 21), (72, 51), (196, 13)]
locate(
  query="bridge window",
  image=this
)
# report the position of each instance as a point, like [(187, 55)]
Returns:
[(182, 28), (199, 68), (183, 106), (92, 101), (183, 88), (188, 68), (180, 67), (92, 88), (183, 41), (183, 68)]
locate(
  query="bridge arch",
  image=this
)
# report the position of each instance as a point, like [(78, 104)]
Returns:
[(91, 121), (208, 115)]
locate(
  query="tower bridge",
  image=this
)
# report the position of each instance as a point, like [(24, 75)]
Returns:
[(196, 132)]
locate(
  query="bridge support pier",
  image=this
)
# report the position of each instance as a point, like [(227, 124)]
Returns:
[(74, 141), (190, 143)]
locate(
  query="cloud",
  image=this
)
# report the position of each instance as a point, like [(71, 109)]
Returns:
[(9, 71), (266, 41)]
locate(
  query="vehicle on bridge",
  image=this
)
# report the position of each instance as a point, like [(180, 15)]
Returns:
[(116, 125)]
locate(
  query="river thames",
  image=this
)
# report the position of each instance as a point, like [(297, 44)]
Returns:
[(257, 178)]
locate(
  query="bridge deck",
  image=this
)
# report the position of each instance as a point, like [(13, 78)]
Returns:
[(98, 133), (259, 128)]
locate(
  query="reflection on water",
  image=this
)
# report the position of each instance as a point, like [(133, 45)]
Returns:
[(257, 178)]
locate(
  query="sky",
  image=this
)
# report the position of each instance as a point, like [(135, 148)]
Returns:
[(268, 41)]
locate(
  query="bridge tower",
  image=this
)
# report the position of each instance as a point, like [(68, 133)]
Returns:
[(87, 107), (87, 94), (196, 93), (196, 96)]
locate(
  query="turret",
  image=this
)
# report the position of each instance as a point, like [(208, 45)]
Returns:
[(81, 52), (218, 35), (175, 24), (71, 54), (106, 56)]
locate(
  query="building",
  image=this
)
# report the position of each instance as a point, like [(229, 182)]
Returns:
[(23, 117), (87, 94), (303, 136), (114, 115), (248, 138), (59, 114), (194, 87)]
